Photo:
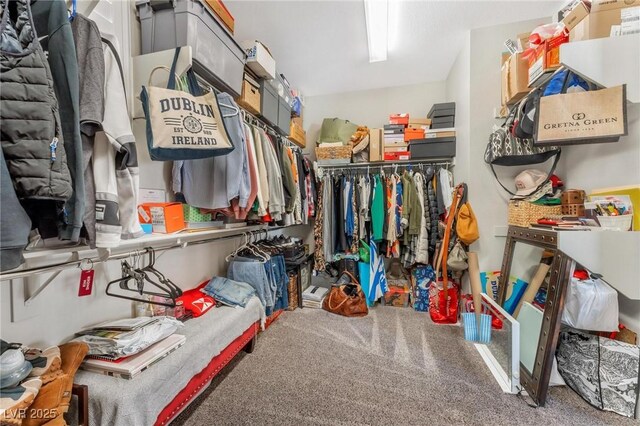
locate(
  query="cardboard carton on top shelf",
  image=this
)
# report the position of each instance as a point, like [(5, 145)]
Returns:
[(515, 79), (602, 5), (599, 22), (375, 145), (576, 15)]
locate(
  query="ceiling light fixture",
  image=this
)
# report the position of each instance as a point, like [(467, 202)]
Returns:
[(376, 13)]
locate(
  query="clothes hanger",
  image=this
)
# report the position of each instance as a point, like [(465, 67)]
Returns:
[(173, 288), (129, 274), (74, 10)]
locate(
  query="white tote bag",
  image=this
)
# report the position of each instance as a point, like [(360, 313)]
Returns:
[(591, 305)]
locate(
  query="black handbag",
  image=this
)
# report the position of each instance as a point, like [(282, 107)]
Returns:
[(505, 149)]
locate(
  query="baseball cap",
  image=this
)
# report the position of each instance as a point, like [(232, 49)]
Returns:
[(529, 180)]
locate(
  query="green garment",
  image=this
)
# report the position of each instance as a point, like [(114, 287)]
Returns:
[(377, 209), (412, 209)]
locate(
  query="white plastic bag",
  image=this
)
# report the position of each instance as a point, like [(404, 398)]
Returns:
[(591, 305)]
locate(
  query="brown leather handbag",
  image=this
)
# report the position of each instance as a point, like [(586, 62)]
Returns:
[(347, 300)]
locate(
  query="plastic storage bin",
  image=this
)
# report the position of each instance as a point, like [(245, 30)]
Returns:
[(217, 57), (616, 223), (284, 117), (269, 103)]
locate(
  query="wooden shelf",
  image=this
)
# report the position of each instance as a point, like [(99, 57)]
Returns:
[(607, 62), (613, 254)]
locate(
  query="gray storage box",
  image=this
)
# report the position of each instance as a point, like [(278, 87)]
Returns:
[(433, 148), (442, 106), (444, 120), (284, 117), (448, 112), (167, 24), (448, 125), (269, 103)]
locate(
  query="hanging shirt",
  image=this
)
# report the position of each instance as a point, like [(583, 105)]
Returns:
[(262, 173), (377, 209), (242, 212)]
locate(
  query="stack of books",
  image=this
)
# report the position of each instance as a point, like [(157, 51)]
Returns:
[(313, 297)]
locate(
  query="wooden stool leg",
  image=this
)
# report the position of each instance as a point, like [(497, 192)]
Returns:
[(249, 347), (82, 392)]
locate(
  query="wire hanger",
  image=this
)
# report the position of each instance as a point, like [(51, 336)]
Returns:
[(138, 278), (74, 10)]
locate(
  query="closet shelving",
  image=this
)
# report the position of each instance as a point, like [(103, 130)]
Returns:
[(594, 61), (159, 242)]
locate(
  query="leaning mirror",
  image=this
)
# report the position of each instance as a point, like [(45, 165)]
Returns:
[(531, 287)]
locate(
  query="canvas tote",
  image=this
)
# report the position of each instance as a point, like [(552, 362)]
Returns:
[(183, 125), (594, 116)]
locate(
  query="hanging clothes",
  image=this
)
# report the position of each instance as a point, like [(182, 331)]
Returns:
[(262, 173), (319, 228), (377, 209)]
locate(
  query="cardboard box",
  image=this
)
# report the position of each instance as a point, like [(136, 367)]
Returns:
[(259, 59), (396, 148), (433, 135), (397, 296), (297, 134), (250, 97), (577, 14), (375, 145), (602, 5), (413, 133), (515, 79), (223, 13), (298, 121), (523, 41), (417, 122), (397, 156), (546, 57), (399, 119), (166, 218), (598, 24)]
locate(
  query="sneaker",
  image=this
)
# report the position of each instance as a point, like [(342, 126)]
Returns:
[(13, 368), (15, 401), (46, 363)]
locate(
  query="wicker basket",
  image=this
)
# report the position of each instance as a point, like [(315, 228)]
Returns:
[(524, 213), (342, 152), (293, 292)]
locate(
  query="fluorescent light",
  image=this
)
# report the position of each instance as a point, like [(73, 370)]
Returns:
[(376, 13)]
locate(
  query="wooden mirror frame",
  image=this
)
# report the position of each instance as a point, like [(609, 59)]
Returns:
[(536, 383)]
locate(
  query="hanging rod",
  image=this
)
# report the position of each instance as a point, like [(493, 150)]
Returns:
[(22, 273), (387, 164)]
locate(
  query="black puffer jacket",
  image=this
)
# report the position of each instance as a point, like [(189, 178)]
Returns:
[(31, 135)]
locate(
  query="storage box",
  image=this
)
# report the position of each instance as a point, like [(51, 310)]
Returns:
[(577, 14), (602, 5), (259, 59), (436, 126), (338, 154), (297, 134), (445, 112), (193, 214), (217, 57), (419, 122), (250, 97), (515, 79), (433, 148), (375, 145), (166, 218), (399, 119), (396, 148), (449, 120), (223, 13), (441, 106), (284, 117), (397, 156), (546, 57), (397, 296), (599, 22), (437, 134), (412, 133), (269, 103), (523, 41)]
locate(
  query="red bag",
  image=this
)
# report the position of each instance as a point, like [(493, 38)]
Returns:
[(443, 305)]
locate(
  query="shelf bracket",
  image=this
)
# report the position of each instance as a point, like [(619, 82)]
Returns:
[(45, 284)]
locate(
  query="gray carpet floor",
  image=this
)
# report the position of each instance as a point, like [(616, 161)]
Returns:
[(391, 367)]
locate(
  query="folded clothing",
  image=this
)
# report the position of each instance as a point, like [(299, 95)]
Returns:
[(195, 301), (118, 344), (229, 292)]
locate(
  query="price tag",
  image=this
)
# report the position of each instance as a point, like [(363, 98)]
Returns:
[(86, 281)]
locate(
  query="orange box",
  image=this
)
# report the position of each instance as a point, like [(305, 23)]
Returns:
[(166, 218), (546, 57), (397, 156), (411, 133), (399, 119)]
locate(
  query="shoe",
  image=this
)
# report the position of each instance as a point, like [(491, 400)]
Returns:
[(14, 402), (46, 363), (55, 397), (13, 368)]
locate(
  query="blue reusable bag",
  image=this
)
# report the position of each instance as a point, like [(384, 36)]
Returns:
[(184, 125)]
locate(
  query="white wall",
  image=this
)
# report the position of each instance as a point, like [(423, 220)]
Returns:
[(371, 107), (57, 313)]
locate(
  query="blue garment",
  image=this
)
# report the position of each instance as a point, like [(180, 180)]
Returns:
[(282, 282), (229, 292), (213, 182), (349, 220), (252, 272)]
